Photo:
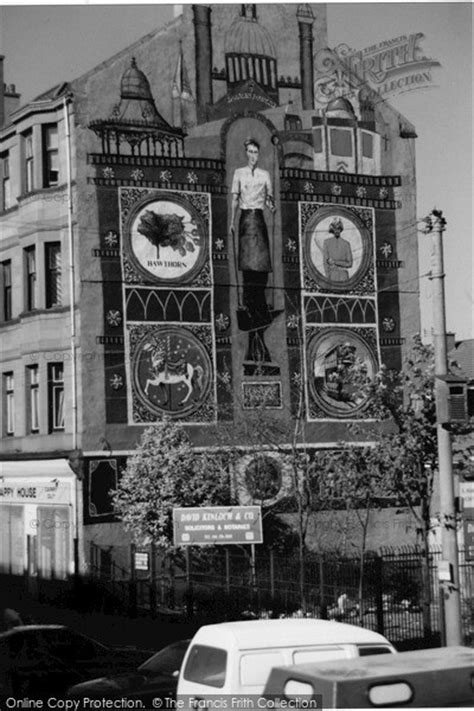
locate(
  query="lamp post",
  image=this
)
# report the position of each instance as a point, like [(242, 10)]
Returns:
[(435, 224)]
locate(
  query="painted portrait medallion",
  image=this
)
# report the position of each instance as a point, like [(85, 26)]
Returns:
[(171, 372), (166, 239), (339, 362), (337, 248)]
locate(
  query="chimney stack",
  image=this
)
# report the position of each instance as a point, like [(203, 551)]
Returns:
[(203, 44), (305, 25)]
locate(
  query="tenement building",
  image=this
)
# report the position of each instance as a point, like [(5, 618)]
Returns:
[(203, 227)]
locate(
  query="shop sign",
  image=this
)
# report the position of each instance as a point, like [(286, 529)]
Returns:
[(26, 492), (217, 525), (142, 560)]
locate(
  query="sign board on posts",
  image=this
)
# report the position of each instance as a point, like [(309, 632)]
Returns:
[(217, 525)]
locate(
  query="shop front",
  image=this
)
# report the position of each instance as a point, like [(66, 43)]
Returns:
[(38, 517)]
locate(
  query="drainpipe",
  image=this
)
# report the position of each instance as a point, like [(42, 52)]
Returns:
[(78, 543), (72, 291)]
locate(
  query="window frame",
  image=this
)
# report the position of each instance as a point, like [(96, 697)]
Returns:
[(50, 156), (31, 296), (33, 403), (53, 275), (29, 161), (56, 419), (9, 411), (7, 291), (6, 196)]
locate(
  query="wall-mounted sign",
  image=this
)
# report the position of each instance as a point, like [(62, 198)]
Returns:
[(217, 525), (28, 491), (142, 560)]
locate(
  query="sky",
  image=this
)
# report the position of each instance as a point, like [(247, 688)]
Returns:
[(47, 44)]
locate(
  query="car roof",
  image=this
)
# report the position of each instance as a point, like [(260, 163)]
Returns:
[(31, 628), (256, 634)]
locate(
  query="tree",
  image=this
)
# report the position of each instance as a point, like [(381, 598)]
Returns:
[(166, 472)]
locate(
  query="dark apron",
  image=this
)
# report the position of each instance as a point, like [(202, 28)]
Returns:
[(254, 252)]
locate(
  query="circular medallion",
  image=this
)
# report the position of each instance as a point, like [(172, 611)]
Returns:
[(171, 372), (337, 248), (338, 363), (263, 478), (166, 239)]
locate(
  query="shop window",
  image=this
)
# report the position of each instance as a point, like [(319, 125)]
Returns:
[(30, 278), (9, 409), (6, 275), (54, 549), (32, 379), (53, 274), (6, 183), (12, 539), (50, 156), (341, 142), (367, 145), (56, 396), (29, 161)]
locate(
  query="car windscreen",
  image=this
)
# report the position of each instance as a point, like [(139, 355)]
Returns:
[(166, 661), (206, 665), (367, 651)]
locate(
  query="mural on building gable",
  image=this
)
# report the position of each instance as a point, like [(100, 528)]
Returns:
[(339, 361), (338, 248), (288, 204), (165, 258), (165, 239)]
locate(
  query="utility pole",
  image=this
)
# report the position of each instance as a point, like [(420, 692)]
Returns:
[(435, 224)]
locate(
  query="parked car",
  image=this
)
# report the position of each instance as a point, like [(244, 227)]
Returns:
[(46, 659), (237, 657), (428, 677), (156, 678)]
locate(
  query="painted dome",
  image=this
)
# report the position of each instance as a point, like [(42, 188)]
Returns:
[(246, 36), (340, 108), (134, 84)]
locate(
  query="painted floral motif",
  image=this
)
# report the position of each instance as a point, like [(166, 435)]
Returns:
[(225, 378), (383, 193), (215, 178), (361, 192), (114, 317), (219, 244), (388, 324), (308, 187), (285, 185), (137, 175), (166, 176), (222, 322), (336, 189), (291, 245), (116, 381), (191, 177), (386, 249), (293, 321), (111, 238), (108, 172)]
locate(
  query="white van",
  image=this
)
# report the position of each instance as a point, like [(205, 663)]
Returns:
[(236, 657)]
